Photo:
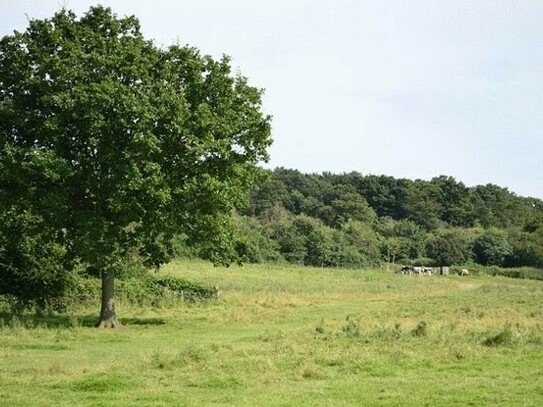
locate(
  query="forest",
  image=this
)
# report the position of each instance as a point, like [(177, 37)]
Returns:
[(355, 220)]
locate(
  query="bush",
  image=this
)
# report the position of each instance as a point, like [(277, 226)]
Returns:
[(491, 248), (527, 250), (361, 239), (253, 245), (186, 290), (34, 263), (511, 272), (147, 290), (351, 329), (503, 338), (420, 330), (449, 246), (519, 272)]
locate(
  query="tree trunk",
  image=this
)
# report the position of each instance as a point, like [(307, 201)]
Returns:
[(108, 316)]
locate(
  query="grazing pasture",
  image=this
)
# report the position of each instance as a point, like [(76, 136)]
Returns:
[(288, 336)]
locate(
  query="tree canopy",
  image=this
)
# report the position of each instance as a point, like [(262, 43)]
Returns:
[(435, 222), (117, 145)]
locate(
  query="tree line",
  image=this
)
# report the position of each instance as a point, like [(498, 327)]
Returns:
[(353, 220)]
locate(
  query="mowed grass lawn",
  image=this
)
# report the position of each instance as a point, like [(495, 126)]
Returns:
[(287, 336)]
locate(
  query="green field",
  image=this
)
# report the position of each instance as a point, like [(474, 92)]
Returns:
[(287, 336)]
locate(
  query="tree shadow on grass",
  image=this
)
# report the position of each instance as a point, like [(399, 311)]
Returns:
[(30, 321), (143, 321)]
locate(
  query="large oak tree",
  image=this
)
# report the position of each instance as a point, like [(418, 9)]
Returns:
[(117, 145)]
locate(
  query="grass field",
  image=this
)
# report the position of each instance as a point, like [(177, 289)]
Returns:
[(287, 336)]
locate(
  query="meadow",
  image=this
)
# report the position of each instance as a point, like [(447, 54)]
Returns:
[(290, 336)]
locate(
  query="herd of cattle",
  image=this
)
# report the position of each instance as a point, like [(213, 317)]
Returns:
[(421, 271)]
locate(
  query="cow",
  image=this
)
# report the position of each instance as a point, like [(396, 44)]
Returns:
[(417, 270), (428, 270), (405, 270)]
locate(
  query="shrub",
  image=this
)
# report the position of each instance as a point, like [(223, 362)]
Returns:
[(449, 246), (149, 290), (351, 329), (252, 244), (320, 328), (420, 330), (503, 338), (187, 290), (491, 248), (511, 272), (33, 262)]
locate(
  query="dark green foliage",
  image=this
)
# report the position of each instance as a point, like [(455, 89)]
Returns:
[(269, 194), (152, 289), (422, 205), (386, 195), (351, 207), (454, 200), (535, 225), (296, 239), (527, 250), (496, 206), (33, 262), (405, 220), (404, 239), (430, 204), (308, 241), (491, 248), (292, 245), (305, 240), (527, 245), (449, 246), (318, 241), (120, 145), (362, 241), (253, 244)]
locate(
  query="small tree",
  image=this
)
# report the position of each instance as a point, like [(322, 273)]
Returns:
[(362, 239), (527, 247), (118, 144), (292, 244), (318, 240), (352, 206), (449, 246), (491, 248)]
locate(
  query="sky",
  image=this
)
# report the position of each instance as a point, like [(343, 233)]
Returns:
[(412, 89)]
